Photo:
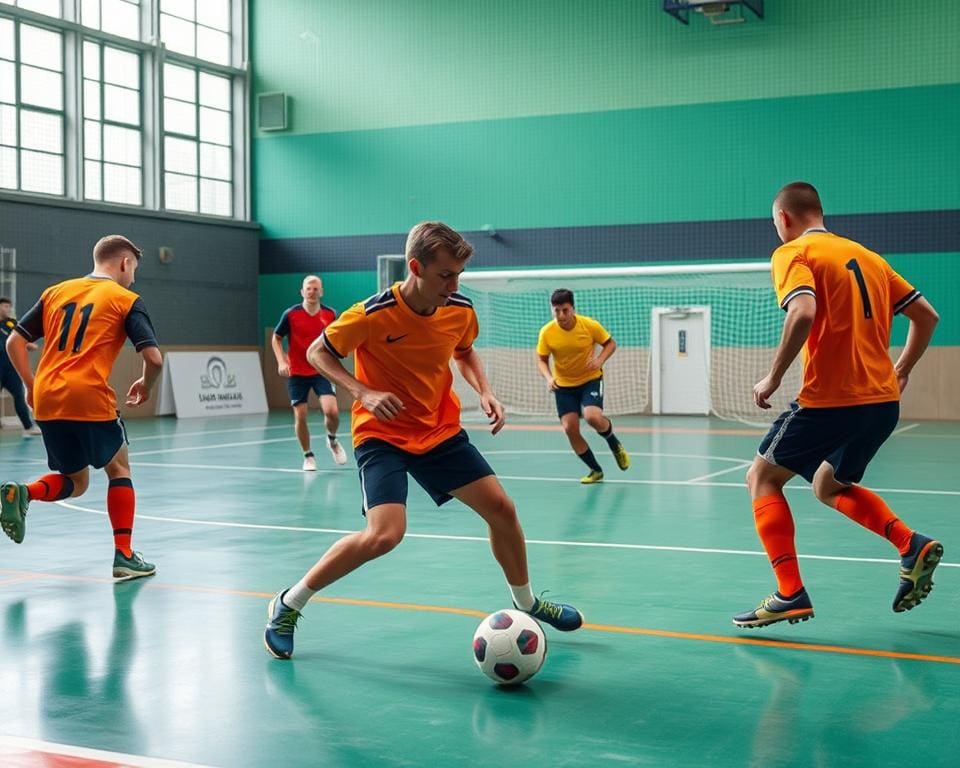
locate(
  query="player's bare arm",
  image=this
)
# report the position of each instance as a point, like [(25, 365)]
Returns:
[(386, 406), (283, 362), (543, 365), (796, 327), (471, 367), (596, 362), (923, 320), (140, 390)]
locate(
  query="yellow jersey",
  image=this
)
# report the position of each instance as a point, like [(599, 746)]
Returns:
[(571, 350)]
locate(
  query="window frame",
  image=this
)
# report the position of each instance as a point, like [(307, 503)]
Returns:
[(20, 106), (153, 56)]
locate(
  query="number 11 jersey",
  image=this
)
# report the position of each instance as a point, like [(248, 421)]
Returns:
[(85, 323)]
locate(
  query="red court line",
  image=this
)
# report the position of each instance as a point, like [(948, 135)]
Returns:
[(614, 629), (33, 759)]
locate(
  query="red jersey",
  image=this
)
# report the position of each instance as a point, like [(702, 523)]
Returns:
[(302, 328)]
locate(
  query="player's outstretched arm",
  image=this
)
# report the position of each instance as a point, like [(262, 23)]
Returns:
[(17, 347), (139, 391), (471, 368), (923, 319), (386, 406), (796, 328)]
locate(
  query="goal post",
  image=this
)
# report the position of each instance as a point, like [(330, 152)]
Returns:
[(743, 318)]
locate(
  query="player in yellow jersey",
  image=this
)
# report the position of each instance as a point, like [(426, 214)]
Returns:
[(840, 299), (406, 420), (577, 378), (85, 322)]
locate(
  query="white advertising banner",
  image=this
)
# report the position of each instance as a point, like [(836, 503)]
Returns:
[(212, 384)]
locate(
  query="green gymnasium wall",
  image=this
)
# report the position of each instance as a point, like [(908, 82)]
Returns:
[(558, 113)]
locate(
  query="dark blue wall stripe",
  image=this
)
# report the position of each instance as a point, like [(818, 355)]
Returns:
[(887, 233)]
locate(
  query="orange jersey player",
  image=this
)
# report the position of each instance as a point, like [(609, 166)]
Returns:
[(85, 322), (840, 299), (406, 421)]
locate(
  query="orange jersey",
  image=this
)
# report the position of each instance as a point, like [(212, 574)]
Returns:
[(399, 351), (85, 323), (845, 358)]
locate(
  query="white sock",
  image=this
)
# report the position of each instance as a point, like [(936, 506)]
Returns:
[(298, 595), (522, 596)]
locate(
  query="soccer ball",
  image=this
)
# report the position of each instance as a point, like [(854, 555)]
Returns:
[(509, 647)]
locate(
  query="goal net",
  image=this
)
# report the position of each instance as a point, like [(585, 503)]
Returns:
[(743, 332)]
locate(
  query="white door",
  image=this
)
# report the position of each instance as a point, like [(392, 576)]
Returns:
[(681, 360)]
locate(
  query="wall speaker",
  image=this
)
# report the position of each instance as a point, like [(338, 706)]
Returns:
[(272, 111)]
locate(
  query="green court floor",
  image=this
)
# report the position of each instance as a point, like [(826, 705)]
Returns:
[(658, 558)]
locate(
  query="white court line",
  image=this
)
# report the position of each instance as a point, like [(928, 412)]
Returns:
[(486, 540), (904, 429), (538, 479), (235, 468), (69, 750), (738, 459), (139, 438), (163, 435), (211, 447), (741, 465), (741, 486)]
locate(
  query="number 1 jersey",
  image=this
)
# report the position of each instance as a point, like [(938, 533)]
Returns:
[(845, 359)]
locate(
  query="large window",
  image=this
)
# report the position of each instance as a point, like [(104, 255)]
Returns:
[(198, 28), (118, 17), (112, 155), (47, 7), (31, 108), (197, 146), (147, 122)]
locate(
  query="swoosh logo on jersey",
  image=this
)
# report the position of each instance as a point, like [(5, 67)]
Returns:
[(391, 339)]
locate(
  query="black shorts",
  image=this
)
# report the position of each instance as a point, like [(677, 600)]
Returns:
[(575, 399), (384, 467), (847, 438), (75, 445), (299, 387)]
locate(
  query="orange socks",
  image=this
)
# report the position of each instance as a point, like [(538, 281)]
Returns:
[(50, 488), (869, 510), (121, 501), (775, 528)]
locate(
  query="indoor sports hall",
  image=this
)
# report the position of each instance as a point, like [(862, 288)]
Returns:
[(629, 151)]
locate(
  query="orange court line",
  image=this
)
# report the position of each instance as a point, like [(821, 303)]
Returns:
[(613, 629)]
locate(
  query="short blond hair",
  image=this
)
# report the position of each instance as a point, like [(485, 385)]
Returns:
[(428, 238), (111, 246)]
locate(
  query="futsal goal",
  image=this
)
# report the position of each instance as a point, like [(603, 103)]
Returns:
[(690, 338)]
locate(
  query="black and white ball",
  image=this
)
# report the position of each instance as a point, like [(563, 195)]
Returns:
[(509, 647)]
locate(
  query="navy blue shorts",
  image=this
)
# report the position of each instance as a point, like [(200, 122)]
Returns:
[(847, 438), (384, 467), (75, 445), (299, 387), (575, 399)]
